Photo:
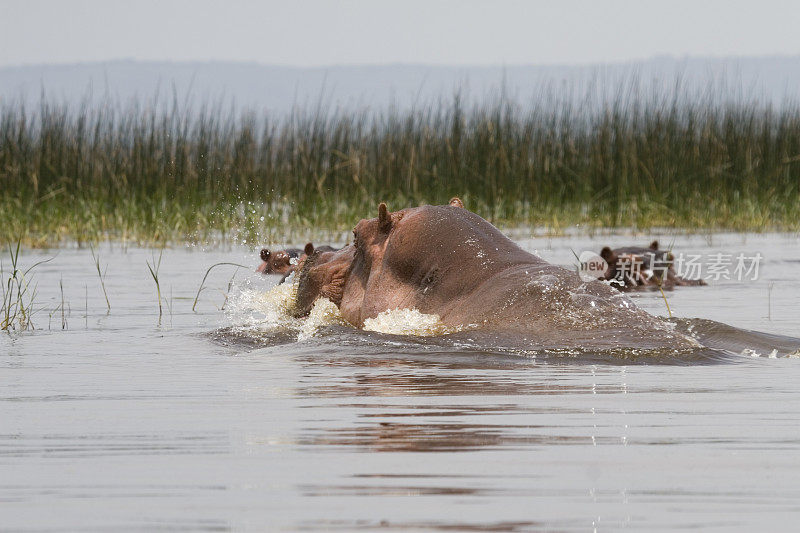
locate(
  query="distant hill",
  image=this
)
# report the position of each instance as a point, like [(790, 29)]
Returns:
[(277, 89)]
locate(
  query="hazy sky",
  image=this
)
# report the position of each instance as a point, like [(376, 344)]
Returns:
[(311, 33)]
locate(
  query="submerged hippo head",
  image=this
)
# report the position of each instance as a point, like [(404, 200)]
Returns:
[(425, 258)]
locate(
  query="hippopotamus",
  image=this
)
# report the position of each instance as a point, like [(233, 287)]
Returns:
[(634, 267), (450, 262), (279, 262), (284, 262)]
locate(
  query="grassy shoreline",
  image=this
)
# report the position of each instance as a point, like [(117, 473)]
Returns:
[(53, 223), (181, 175)]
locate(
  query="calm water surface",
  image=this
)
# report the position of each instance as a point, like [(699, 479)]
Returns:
[(122, 422)]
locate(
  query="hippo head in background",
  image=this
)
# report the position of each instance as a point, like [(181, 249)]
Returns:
[(285, 262), (281, 262), (633, 262), (638, 267)]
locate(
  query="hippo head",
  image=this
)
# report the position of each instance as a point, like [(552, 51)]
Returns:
[(635, 266), (626, 268), (424, 258), (275, 262), (611, 260)]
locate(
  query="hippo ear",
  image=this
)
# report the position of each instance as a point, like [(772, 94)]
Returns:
[(654, 245), (264, 254), (309, 249), (384, 220), (456, 202)]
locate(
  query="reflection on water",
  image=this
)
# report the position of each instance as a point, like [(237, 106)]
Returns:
[(364, 525), (203, 424), (97, 445), (394, 437)]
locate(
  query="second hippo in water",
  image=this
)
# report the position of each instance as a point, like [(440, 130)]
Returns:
[(635, 267), (279, 262), (284, 262), (449, 262)]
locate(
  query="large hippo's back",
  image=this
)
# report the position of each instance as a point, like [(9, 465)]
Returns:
[(551, 303), (467, 239)]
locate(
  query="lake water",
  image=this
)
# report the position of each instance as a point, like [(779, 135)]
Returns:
[(212, 420)]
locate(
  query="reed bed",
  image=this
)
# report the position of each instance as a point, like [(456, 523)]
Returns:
[(167, 173)]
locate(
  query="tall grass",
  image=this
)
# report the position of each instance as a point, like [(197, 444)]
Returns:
[(131, 172), (18, 291)]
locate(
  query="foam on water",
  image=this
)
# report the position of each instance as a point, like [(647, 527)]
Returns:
[(324, 313), (774, 354), (257, 312), (408, 322), (263, 311)]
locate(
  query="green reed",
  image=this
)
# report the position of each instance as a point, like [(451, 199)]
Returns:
[(101, 273), (154, 268), (170, 173), (18, 291)]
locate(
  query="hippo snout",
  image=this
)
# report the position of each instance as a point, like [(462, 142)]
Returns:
[(307, 290)]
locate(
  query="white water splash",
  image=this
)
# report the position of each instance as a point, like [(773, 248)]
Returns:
[(754, 353), (258, 312), (269, 310), (324, 313), (772, 355), (408, 322)]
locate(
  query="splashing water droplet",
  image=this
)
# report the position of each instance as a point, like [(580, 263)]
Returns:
[(408, 322)]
